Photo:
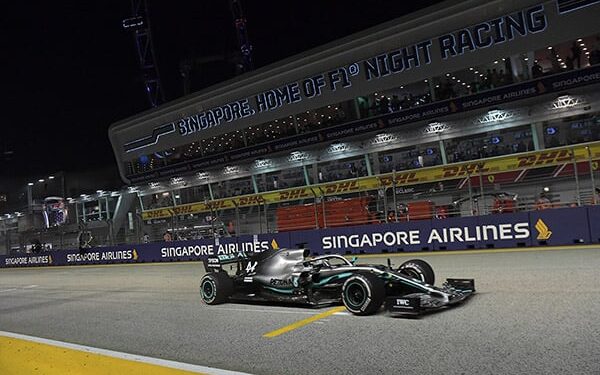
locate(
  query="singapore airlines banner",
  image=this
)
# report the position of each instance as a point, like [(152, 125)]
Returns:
[(566, 226)]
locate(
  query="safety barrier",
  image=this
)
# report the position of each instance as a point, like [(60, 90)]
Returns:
[(564, 226)]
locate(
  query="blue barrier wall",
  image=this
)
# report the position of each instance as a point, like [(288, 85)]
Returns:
[(566, 226)]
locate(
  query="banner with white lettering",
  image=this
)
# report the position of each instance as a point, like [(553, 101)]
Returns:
[(565, 226)]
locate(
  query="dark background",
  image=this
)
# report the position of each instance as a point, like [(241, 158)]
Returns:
[(69, 69)]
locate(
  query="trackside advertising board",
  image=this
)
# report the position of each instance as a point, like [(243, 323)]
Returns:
[(566, 226)]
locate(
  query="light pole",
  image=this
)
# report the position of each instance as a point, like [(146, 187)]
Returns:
[(30, 197)]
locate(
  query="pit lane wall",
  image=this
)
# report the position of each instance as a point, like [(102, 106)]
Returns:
[(565, 226)]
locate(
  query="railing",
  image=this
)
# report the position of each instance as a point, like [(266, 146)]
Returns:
[(553, 178), (559, 177)]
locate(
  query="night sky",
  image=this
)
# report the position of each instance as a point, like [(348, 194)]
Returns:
[(70, 69)]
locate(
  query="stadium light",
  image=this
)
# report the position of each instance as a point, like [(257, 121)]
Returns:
[(565, 101), (133, 22), (495, 115), (297, 156), (263, 163), (177, 181), (436, 127), (30, 184), (337, 147), (383, 138), (231, 169)]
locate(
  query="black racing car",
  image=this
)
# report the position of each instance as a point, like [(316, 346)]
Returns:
[(290, 276)]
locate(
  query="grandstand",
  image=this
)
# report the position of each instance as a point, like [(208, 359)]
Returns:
[(314, 141), (496, 109)]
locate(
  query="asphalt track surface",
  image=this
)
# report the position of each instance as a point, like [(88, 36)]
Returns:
[(535, 313)]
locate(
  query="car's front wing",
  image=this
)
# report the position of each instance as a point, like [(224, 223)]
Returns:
[(453, 292)]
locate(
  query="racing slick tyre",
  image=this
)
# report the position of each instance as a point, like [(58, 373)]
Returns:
[(363, 294), (418, 269), (216, 287)]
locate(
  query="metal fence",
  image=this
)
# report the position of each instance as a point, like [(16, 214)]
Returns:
[(394, 197)]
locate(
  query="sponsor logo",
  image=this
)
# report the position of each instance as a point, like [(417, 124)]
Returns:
[(366, 304), (31, 260), (274, 244), (251, 200), (218, 204), (294, 194), (463, 170), (280, 282), (251, 267), (157, 214), (485, 232), (544, 233), (341, 187), (400, 178), (544, 158), (97, 256), (402, 302), (186, 251)]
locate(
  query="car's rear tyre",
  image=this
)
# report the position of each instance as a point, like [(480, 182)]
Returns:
[(363, 294), (215, 288), (418, 269)]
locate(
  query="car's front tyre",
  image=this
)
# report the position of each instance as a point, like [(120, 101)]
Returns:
[(216, 288), (418, 269), (363, 294)]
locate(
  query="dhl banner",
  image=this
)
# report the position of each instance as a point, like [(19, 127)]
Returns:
[(485, 167)]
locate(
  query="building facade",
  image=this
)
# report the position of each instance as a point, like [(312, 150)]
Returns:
[(457, 82)]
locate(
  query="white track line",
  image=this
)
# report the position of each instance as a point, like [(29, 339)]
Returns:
[(7, 290), (125, 356), (346, 313), (30, 286), (262, 311)]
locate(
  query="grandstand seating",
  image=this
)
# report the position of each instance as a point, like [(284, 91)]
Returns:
[(338, 213)]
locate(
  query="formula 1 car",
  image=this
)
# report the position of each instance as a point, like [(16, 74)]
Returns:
[(290, 276)]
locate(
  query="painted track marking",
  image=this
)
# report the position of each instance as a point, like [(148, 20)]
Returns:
[(19, 288), (303, 322), (22, 354), (265, 311)]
